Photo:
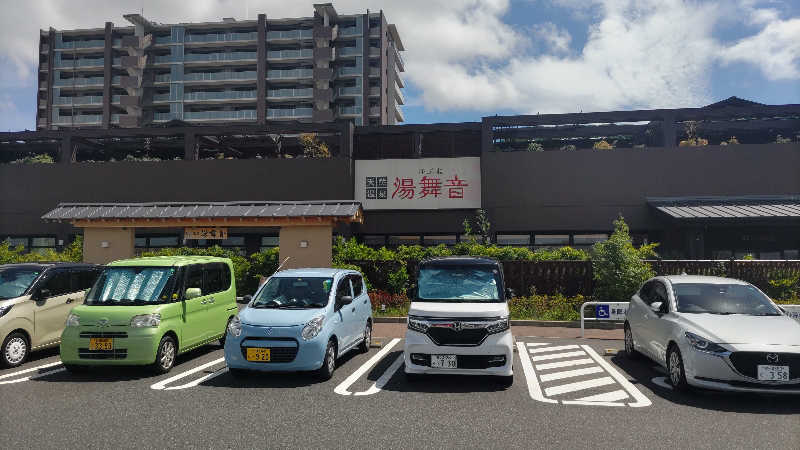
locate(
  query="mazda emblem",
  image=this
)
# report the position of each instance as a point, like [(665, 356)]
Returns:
[(269, 330), (772, 357), (456, 326), (102, 323)]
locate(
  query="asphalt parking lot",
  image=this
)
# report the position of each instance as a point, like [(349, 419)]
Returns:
[(567, 394)]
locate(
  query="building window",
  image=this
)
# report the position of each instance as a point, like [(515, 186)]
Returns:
[(235, 243), (791, 254), (769, 255), (518, 240), (145, 243), (436, 240), (33, 244), (585, 241), (268, 242), (374, 240), (550, 240), (395, 241), (721, 254)]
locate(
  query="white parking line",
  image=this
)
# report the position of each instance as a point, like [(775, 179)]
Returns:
[(578, 386), (612, 396), (552, 349), (378, 385), (31, 377), (161, 385), (557, 356), (570, 363), (534, 390), (641, 400), (341, 389), (536, 344), (570, 373)]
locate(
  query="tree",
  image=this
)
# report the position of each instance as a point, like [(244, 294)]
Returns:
[(619, 268), (313, 147)]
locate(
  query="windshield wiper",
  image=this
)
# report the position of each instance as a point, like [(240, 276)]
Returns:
[(265, 305)]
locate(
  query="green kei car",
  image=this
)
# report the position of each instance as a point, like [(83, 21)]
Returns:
[(146, 311)]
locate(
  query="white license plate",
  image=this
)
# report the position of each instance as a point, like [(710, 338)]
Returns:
[(444, 361), (773, 373)]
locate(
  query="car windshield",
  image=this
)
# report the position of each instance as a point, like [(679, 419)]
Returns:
[(459, 284), (294, 293), (711, 298), (15, 281), (133, 286)]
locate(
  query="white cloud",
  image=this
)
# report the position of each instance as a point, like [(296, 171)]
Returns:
[(464, 55)]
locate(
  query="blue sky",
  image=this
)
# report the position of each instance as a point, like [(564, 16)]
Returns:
[(469, 58)]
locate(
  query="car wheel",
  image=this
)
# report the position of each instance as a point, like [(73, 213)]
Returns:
[(237, 373), (677, 374), (225, 333), (165, 357), (630, 350), (329, 364), (364, 347), (14, 350), (505, 382)]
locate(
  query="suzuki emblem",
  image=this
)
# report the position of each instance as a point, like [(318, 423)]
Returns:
[(772, 357)]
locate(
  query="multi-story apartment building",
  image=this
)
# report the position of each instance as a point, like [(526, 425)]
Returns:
[(311, 69)]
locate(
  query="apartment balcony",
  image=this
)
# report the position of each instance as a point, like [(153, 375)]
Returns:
[(81, 119), (164, 40), (160, 98), (349, 51), (290, 35), (290, 54), (349, 91), (211, 57), (165, 78), (351, 31), (288, 74), (398, 95), (374, 91), (215, 76), (374, 52), (43, 67), (163, 117), (289, 113), (41, 123), (375, 32), (215, 96), (79, 101), (77, 81), (220, 37), (44, 48), (350, 71), (374, 72), (350, 110), (247, 114), (374, 111), (91, 43), (277, 94), (43, 85), (82, 62)]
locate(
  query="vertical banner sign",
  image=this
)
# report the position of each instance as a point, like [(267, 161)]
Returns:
[(426, 183)]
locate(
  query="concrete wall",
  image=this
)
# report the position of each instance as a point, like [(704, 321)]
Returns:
[(30, 191), (317, 252), (103, 245)]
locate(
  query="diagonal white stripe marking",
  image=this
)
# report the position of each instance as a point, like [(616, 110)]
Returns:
[(558, 356), (536, 344), (553, 349), (378, 385), (162, 384), (579, 386), (199, 380), (33, 377), (342, 388), (570, 363), (32, 369), (534, 390), (607, 397), (641, 399), (570, 373)]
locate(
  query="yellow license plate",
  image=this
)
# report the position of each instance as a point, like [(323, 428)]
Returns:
[(101, 344), (258, 354)]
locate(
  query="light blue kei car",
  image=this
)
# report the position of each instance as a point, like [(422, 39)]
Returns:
[(301, 320)]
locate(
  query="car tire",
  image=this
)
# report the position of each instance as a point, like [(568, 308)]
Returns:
[(630, 350), (413, 377), (675, 369), (165, 356), (505, 382), (225, 333), (329, 363), (15, 350), (364, 347), (237, 373)]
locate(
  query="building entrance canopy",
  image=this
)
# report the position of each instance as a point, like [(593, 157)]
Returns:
[(305, 227)]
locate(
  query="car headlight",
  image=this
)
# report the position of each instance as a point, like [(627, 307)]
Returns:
[(704, 345), (146, 320), (498, 326), (5, 309), (73, 320), (235, 327), (312, 328), (418, 324)]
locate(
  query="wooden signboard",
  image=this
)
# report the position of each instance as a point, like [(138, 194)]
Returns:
[(205, 233)]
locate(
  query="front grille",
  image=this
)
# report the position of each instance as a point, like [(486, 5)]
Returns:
[(103, 334), (465, 337), (464, 361), (747, 363), (276, 354), (117, 353)]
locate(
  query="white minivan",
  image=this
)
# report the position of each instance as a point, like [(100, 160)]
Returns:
[(458, 321)]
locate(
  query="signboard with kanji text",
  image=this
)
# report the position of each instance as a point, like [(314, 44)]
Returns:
[(205, 233), (425, 183)]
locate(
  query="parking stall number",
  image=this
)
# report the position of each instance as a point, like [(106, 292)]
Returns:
[(575, 375)]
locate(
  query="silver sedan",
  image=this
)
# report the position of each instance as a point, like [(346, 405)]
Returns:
[(714, 333)]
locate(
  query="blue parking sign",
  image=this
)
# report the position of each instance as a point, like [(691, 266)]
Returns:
[(602, 312)]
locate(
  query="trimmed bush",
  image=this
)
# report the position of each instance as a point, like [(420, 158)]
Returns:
[(546, 307), (618, 267)]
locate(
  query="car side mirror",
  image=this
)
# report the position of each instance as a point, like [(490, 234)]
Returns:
[(509, 293), (247, 298), (192, 293), (43, 294), (345, 300), (656, 307)]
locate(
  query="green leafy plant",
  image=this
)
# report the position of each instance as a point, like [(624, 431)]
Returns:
[(618, 267), (546, 307), (535, 147), (313, 147), (35, 159), (784, 286), (604, 145)]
